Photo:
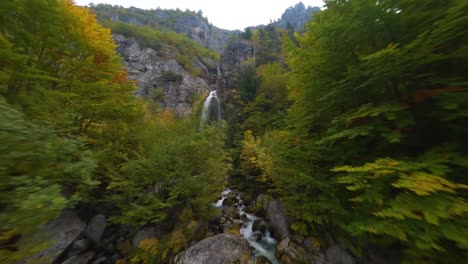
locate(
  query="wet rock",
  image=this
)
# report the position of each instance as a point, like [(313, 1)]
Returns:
[(219, 249), (257, 235), (96, 228), (260, 225), (63, 231), (230, 200)]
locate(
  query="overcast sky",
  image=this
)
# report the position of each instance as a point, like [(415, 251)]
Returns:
[(227, 14)]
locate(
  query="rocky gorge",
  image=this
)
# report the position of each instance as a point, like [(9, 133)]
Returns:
[(246, 231)]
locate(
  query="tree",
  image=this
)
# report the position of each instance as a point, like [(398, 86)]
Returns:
[(373, 149)]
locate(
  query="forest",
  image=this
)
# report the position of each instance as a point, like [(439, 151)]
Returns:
[(358, 125)]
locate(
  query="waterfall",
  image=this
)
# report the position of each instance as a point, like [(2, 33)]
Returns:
[(211, 109)]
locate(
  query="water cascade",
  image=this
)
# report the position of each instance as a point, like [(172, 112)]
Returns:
[(261, 247), (211, 109)]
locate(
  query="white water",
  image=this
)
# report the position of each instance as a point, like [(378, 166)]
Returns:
[(224, 195), (211, 108), (264, 247)]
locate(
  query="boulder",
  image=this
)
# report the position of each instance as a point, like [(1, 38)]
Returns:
[(260, 225), (288, 251), (257, 235), (96, 228), (219, 249), (145, 233), (230, 200), (230, 213), (63, 231), (278, 218), (79, 246), (80, 259)]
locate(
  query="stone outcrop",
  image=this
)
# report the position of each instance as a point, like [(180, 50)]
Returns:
[(145, 233), (237, 55), (290, 252), (296, 17), (63, 231), (96, 228), (219, 249), (190, 24), (276, 215), (160, 78)]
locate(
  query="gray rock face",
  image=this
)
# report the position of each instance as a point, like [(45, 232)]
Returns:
[(190, 24), (276, 214), (219, 249), (296, 17), (63, 230), (145, 233), (78, 247), (237, 55), (96, 228), (160, 78), (290, 252), (202, 32)]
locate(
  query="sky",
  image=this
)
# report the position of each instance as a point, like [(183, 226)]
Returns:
[(227, 14)]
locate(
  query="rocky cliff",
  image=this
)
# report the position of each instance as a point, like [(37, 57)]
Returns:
[(160, 78), (238, 55), (188, 23), (296, 17)]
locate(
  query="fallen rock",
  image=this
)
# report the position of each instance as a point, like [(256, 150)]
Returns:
[(219, 249), (96, 228)]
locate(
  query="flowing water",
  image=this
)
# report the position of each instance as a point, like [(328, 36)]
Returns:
[(211, 109), (266, 246)]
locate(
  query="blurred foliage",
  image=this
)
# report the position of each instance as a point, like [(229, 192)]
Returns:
[(72, 133), (373, 148)]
